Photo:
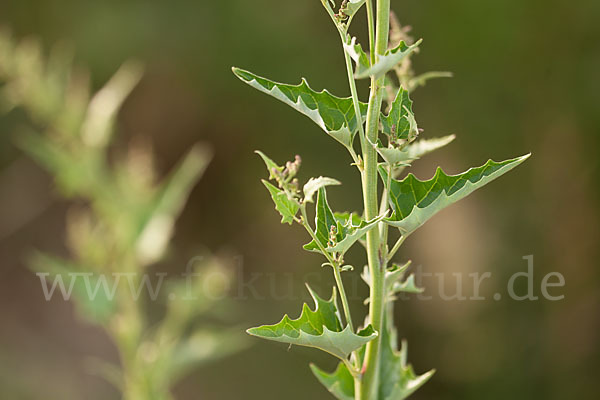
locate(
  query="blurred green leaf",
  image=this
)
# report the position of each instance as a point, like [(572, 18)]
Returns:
[(94, 293), (158, 221), (76, 172), (421, 80), (201, 347), (96, 130)]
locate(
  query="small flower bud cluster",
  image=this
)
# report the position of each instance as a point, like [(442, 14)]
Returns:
[(286, 178), (341, 15), (332, 242)]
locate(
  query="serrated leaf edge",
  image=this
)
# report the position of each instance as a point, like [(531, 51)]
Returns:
[(416, 218)]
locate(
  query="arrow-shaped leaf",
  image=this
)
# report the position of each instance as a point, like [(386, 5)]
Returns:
[(320, 328), (335, 115), (419, 148), (324, 222), (337, 232), (397, 379), (413, 151), (397, 124), (389, 60), (352, 232), (394, 280), (414, 201), (340, 383)]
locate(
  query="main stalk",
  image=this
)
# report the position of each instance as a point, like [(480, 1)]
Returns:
[(370, 378)]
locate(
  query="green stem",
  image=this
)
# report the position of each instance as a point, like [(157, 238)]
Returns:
[(344, 37), (355, 99), (370, 379), (371, 30), (383, 208), (334, 264), (396, 247), (343, 297)]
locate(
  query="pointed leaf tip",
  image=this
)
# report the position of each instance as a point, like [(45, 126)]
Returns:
[(335, 115), (389, 60), (319, 328), (414, 201)]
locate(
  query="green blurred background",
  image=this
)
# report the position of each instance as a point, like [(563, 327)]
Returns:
[(526, 80)]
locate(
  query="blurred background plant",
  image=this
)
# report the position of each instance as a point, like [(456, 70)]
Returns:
[(525, 79), (120, 225)]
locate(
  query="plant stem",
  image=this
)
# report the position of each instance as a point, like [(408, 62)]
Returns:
[(343, 297), (396, 247), (369, 384), (334, 264), (383, 208), (371, 30), (355, 99)]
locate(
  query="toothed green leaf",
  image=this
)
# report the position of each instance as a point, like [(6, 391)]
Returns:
[(355, 51), (413, 151), (324, 220), (414, 201), (287, 207), (422, 147), (340, 383), (348, 229), (389, 60), (422, 79), (351, 7), (335, 115), (394, 156), (395, 283), (397, 379), (397, 124), (314, 184), (407, 286), (352, 232), (320, 328)]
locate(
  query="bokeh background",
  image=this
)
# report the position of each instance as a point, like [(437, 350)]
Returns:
[(526, 80)]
